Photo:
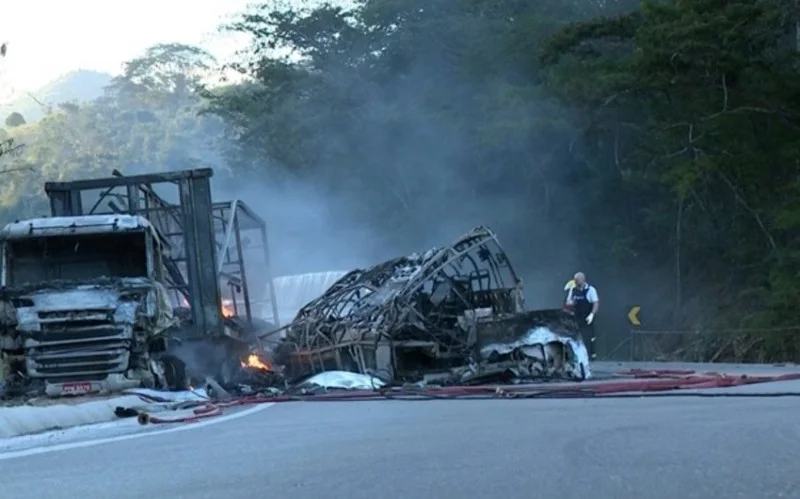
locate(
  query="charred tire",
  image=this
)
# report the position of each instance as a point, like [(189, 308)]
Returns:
[(175, 373)]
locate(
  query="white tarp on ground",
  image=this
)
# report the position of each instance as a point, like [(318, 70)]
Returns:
[(293, 292), (28, 419), (342, 380)]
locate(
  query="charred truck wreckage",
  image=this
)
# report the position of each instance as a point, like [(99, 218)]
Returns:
[(450, 315), (134, 291)]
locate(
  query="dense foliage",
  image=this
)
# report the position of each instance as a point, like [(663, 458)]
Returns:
[(148, 119), (652, 145), (695, 104)]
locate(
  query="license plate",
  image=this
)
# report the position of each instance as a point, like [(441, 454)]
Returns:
[(77, 388)]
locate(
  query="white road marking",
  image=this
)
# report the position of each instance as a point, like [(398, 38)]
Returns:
[(121, 438)]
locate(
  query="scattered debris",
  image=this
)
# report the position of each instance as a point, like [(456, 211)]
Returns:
[(256, 374), (538, 354)]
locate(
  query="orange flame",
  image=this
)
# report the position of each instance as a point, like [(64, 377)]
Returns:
[(254, 361), (227, 308)]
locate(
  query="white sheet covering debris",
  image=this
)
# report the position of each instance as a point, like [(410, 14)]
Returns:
[(343, 380)]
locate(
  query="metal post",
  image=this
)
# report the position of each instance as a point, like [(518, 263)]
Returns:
[(270, 284), (243, 273), (133, 199), (64, 202), (227, 231), (201, 254), (632, 351)]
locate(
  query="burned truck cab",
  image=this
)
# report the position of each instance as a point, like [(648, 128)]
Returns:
[(83, 302)]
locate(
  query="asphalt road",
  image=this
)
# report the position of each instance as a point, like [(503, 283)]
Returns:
[(675, 448)]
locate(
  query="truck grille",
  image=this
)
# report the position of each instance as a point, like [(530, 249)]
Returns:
[(78, 345)]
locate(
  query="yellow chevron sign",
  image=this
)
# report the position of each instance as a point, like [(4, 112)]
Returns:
[(633, 315)]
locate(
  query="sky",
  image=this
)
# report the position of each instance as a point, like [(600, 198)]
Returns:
[(48, 38)]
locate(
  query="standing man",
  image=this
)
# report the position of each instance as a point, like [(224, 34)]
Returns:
[(583, 300)]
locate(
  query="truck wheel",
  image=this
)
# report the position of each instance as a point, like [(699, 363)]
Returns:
[(175, 373)]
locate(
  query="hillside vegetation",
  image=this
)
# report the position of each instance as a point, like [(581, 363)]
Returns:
[(653, 145), (76, 86), (147, 119)]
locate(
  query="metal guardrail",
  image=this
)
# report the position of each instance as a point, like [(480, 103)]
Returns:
[(657, 344), (685, 345), (661, 344)]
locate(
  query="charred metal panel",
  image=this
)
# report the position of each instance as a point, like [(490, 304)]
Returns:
[(201, 255), (505, 328), (122, 181), (64, 203)]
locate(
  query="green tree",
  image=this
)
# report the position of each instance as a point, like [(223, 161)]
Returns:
[(14, 120), (170, 69), (694, 104)]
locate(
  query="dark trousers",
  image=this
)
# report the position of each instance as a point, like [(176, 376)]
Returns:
[(588, 335)]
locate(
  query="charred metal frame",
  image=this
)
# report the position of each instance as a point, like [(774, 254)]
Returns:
[(407, 303), (455, 313), (234, 221), (204, 250)]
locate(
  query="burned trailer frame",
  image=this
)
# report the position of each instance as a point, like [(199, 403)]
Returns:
[(408, 315), (242, 231), (206, 241)]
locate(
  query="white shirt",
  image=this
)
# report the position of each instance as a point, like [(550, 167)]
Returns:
[(591, 295)]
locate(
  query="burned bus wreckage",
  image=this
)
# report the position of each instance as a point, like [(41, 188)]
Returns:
[(453, 314)]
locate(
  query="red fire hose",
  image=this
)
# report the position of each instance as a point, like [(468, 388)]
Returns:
[(204, 411), (641, 382)]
